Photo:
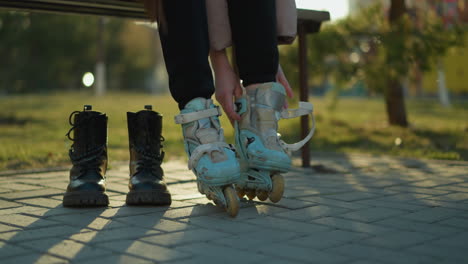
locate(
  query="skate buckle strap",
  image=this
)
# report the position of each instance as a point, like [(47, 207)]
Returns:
[(305, 108), (201, 150), (190, 117)]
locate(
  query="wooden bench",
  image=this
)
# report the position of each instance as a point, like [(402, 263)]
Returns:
[(309, 21)]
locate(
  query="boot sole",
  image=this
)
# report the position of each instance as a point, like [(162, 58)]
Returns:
[(148, 198), (85, 199)]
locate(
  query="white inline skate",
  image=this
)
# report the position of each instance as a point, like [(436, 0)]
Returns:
[(210, 158), (263, 156)]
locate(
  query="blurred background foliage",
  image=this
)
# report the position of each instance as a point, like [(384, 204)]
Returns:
[(46, 52), (359, 54), (353, 56)]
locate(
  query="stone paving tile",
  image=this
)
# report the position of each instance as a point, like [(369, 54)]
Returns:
[(154, 221), (126, 232), (186, 196), (434, 183), (292, 203), (31, 194), (354, 226), (87, 221), (117, 258), (251, 212), (307, 255), (9, 250), (296, 193), (288, 225), (45, 232), (42, 202), (129, 211), (451, 254), (268, 234), (21, 210), (65, 248), (60, 185), (60, 211), (197, 210), (242, 242), (25, 221), (430, 215), (451, 197), (19, 186), (36, 258), (362, 261), (184, 237), (144, 250), (353, 196), (309, 213), (379, 255), (335, 203), (441, 204), (415, 226), (398, 240), (231, 259), (411, 189), (456, 222), (373, 214), (390, 203), (6, 228), (7, 204), (232, 226), (454, 188), (229, 254), (325, 240), (457, 241)]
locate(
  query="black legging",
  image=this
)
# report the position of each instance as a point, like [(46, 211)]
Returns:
[(185, 44)]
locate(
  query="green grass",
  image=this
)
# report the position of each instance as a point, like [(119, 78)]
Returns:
[(33, 128)]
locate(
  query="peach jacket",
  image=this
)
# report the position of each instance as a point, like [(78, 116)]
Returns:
[(220, 28)]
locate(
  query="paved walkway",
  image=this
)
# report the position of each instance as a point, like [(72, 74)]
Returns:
[(347, 209)]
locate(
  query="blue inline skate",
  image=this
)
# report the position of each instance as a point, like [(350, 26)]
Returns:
[(212, 160), (262, 154)]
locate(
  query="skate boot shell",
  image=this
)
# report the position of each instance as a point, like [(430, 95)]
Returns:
[(88, 155), (146, 184), (212, 160), (263, 155)]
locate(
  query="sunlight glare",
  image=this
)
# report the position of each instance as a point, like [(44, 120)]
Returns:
[(88, 79)]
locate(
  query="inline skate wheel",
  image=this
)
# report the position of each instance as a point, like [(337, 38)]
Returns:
[(262, 195), (232, 206), (251, 194), (240, 193), (278, 188)]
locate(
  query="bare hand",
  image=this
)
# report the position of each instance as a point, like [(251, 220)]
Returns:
[(281, 78), (227, 84)]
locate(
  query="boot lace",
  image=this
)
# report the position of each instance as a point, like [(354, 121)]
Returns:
[(150, 161), (90, 160)]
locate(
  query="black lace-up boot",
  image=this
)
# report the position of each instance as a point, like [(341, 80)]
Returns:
[(88, 155), (146, 184)]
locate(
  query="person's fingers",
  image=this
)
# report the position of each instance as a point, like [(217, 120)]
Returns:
[(284, 81), (228, 106), (238, 91)]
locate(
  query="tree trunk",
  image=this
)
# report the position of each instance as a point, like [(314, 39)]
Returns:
[(394, 95), (394, 100)]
